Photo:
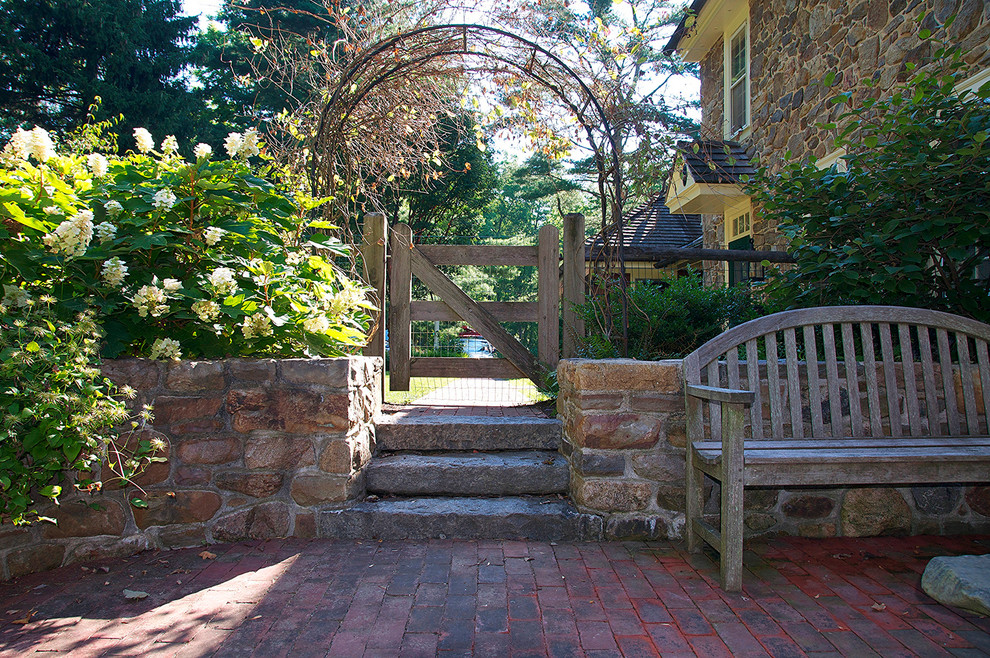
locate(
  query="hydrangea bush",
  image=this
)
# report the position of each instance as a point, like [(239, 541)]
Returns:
[(177, 259)]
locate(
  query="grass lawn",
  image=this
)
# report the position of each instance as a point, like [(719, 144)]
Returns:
[(418, 387)]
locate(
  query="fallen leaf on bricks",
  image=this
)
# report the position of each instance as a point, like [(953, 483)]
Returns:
[(134, 595), (879, 607), (24, 620), (206, 555)]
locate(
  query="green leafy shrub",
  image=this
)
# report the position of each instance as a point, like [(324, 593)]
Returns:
[(909, 222), (667, 319), (59, 413), (177, 258)]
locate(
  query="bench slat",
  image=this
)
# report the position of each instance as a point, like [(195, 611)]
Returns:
[(793, 383), (910, 379), (878, 443), (872, 386), (890, 380), (832, 377), (928, 376), (753, 383), (969, 392), (773, 387), (814, 387), (920, 454), (714, 410), (852, 380), (867, 472), (948, 385), (983, 362)]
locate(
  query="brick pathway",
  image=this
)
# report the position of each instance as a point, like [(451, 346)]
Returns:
[(475, 397), (853, 597)]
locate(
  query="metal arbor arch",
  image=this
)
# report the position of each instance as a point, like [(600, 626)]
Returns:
[(396, 55)]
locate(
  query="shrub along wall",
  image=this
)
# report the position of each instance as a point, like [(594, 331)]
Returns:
[(624, 438), (255, 448)]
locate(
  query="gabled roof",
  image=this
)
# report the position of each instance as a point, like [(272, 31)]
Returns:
[(682, 27), (716, 162), (652, 226)]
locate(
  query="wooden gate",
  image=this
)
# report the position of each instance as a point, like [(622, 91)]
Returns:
[(408, 259)]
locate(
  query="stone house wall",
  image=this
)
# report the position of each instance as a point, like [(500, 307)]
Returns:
[(255, 448), (796, 43), (624, 438)]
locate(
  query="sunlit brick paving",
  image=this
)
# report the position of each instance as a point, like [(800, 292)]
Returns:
[(815, 597)]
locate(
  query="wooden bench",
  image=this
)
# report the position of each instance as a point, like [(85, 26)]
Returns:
[(913, 410)]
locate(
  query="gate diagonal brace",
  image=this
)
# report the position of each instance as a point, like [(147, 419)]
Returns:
[(479, 319)]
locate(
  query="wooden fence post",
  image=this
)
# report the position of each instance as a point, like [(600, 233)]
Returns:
[(548, 296), (574, 275), (373, 255), (400, 298)]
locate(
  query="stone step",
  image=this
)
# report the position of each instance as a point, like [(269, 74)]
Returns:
[(536, 518), (454, 433), (469, 474)]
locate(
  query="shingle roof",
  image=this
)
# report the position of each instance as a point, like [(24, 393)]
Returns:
[(675, 38), (716, 162), (651, 226)]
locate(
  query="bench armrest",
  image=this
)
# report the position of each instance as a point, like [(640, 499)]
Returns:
[(715, 394)]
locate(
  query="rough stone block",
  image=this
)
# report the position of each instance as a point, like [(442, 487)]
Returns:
[(182, 536), (78, 519), (760, 500), (289, 410), (618, 431), (11, 536), (140, 374), (105, 550), (171, 409), (329, 373), (260, 371), (611, 495), (936, 500), (195, 376), (190, 475), (962, 581), (978, 499), (817, 530), (209, 450), (657, 402), (622, 375), (318, 489), (598, 463), (250, 483), (33, 559), (646, 528), (873, 512), (671, 497), (598, 401), (279, 453), (337, 458), (758, 522), (265, 521), (808, 507), (662, 467), (168, 507), (305, 527)]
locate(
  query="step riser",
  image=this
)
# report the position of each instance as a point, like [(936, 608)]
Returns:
[(476, 434), (503, 474), (505, 518)]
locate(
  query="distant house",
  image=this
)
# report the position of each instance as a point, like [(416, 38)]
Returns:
[(763, 65), (645, 229)]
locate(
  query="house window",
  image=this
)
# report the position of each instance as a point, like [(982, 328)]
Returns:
[(738, 80), (739, 235)]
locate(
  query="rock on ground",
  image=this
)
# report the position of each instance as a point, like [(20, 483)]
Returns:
[(962, 581)]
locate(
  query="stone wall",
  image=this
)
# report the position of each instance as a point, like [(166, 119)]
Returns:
[(796, 43), (255, 448), (624, 439)]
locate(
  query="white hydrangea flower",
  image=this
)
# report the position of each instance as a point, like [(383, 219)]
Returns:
[(171, 285), (232, 144), (164, 199), (249, 144), (145, 142), (114, 271), (170, 145), (203, 151), (213, 235), (106, 231), (113, 208), (97, 164), (150, 300), (36, 143), (257, 325), (297, 257), (15, 296), (72, 237), (206, 310), (349, 297), (53, 210), (165, 349), (222, 280), (317, 325)]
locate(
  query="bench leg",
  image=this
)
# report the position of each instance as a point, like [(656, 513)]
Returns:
[(731, 539), (695, 503)]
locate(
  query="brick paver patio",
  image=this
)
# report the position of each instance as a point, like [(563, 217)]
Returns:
[(852, 597)]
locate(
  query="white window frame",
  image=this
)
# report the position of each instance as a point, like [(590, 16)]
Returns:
[(733, 30), (732, 218)]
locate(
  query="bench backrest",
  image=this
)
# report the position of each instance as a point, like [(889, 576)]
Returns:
[(917, 373)]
